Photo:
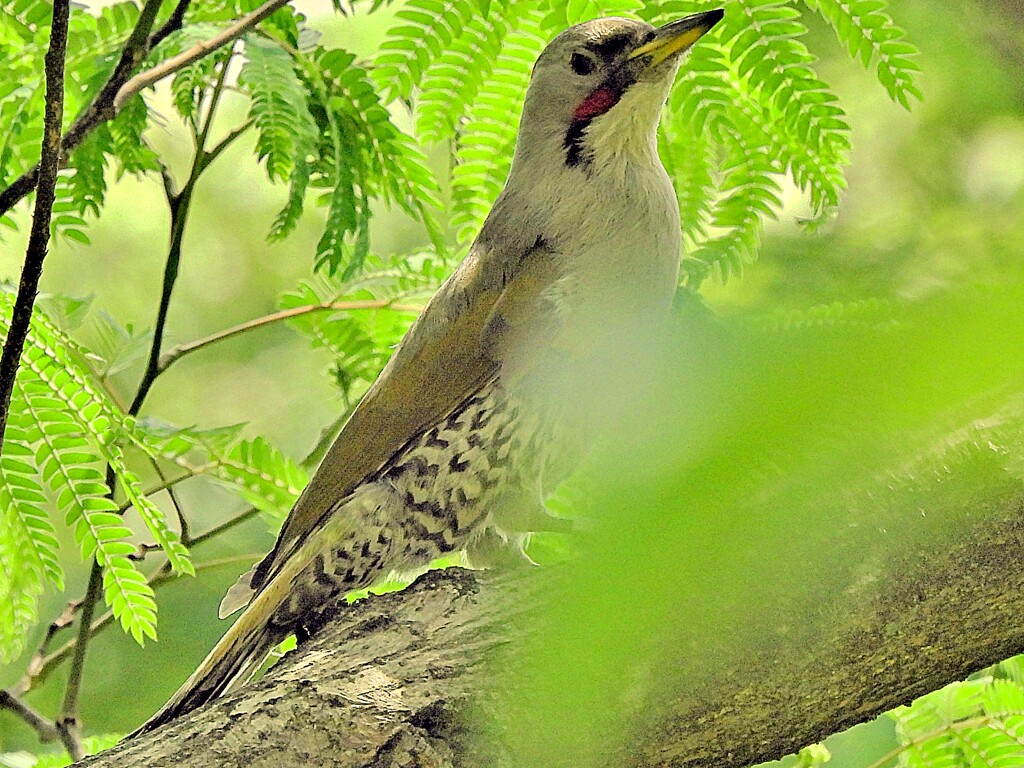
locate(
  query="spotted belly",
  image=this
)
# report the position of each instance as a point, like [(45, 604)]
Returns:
[(435, 496)]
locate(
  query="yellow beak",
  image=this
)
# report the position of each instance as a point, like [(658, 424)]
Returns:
[(677, 36)]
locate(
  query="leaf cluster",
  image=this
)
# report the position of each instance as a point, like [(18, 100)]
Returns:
[(63, 428), (979, 722)]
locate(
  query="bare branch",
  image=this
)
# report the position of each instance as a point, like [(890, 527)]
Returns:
[(173, 24), (39, 237), (181, 350), (65, 620), (227, 525), (199, 50), (67, 723), (45, 729), (228, 140), (180, 205)]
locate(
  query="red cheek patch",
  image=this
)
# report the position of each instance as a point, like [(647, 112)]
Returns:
[(597, 103)]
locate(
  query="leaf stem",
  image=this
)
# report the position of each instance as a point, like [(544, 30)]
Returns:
[(67, 723), (161, 486), (46, 729), (181, 350), (39, 236), (196, 52)]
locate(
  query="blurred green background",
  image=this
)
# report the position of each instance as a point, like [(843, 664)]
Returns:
[(935, 200)]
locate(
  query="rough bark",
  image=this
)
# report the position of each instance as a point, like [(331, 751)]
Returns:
[(389, 681)]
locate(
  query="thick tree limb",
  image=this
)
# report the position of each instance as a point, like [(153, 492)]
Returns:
[(388, 681)]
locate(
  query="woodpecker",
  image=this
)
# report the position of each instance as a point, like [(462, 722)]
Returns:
[(453, 445)]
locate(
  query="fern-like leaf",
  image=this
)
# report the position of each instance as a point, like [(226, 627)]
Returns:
[(424, 29), (361, 155), (870, 34), (28, 544), (452, 81), (688, 158), (285, 130), (74, 429), (764, 40), (484, 151)]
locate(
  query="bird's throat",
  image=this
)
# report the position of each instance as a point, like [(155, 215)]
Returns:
[(600, 100)]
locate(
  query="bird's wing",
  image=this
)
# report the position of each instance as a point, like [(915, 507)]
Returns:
[(449, 352)]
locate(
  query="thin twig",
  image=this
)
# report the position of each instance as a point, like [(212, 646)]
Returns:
[(227, 525), (39, 237), (160, 576), (164, 485), (180, 204), (67, 723), (170, 66), (181, 350), (65, 620), (173, 24), (224, 143), (182, 520), (215, 94), (45, 729)]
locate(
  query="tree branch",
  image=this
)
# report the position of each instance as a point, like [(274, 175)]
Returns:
[(180, 205), (181, 350), (45, 729), (398, 679), (173, 24), (39, 236), (151, 76), (67, 723)]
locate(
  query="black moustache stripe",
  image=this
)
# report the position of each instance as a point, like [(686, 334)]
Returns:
[(576, 152)]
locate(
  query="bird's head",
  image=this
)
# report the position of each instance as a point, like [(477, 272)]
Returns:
[(598, 88)]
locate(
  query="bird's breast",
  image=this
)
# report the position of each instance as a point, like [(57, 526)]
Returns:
[(622, 240)]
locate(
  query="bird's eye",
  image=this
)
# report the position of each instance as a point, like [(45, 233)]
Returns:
[(581, 65)]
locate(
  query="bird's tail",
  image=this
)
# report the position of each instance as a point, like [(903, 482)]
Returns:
[(231, 663), (247, 644), (243, 648)]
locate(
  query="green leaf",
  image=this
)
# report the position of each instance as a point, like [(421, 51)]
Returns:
[(423, 30), (870, 34), (119, 347), (484, 151), (361, 155), (284, 128), (451, 82), (74, 429)]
